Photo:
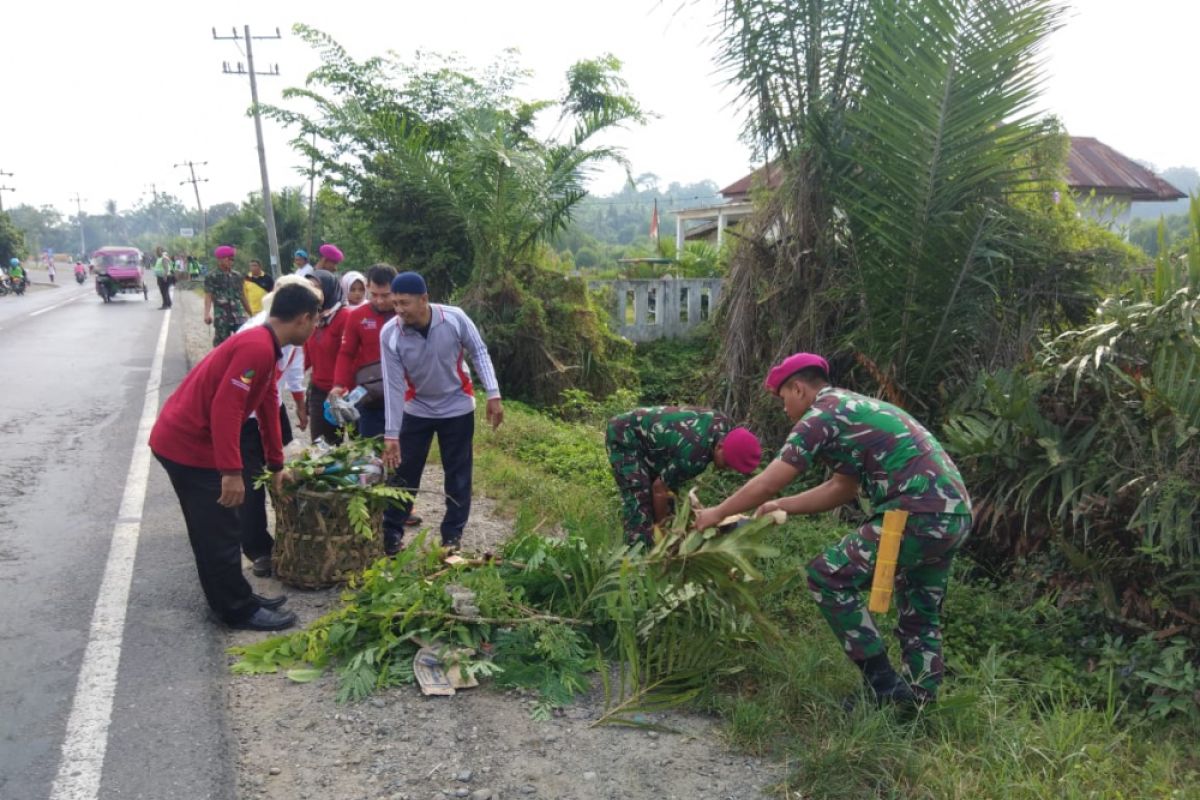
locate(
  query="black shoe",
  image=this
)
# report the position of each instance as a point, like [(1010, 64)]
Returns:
[(391, 541), (453, 545), (412, 521), (883, 685), (262, 567), (270, 602), (264, 619)]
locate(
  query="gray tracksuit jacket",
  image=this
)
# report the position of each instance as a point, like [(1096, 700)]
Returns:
[(426, 376)]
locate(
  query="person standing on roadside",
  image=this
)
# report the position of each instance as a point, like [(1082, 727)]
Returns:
[(197, 440), (162, 269), (428, 392), (258, 284), (321, 351), (225, 306), (257, 544), (331, 256), (300, 265), (358, 360)]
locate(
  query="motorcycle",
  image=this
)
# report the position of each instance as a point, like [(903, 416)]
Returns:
[(17, 285), (80, 277)]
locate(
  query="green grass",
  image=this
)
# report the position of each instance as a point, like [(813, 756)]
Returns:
[(1026, 712)]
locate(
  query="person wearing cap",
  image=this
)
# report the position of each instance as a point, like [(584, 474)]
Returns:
[(300, 265), (428, 391), (879, 450), (656, 450), (331, 256), (197, 439), (225, 304)]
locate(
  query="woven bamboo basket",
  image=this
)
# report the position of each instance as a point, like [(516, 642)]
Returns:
[(315, 546)]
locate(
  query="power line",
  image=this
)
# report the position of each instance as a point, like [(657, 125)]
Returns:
[(195, 182), (248, 70)]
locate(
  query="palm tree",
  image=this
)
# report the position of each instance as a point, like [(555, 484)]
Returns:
[(905, 131)]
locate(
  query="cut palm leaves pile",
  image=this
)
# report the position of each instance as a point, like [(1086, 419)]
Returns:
[(353, 470), (658, 624)]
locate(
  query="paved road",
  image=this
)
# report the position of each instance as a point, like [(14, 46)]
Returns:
[(76, 373)]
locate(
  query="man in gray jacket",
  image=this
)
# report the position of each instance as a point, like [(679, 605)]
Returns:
[(429, 391)]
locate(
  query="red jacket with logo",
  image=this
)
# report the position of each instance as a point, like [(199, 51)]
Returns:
[(200, 425), (321, 350), (360, 343)]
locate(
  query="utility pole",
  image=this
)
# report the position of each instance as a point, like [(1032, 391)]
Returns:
[(79, 216), (312, 178), (195, 182), (4, 189), (248, 69)]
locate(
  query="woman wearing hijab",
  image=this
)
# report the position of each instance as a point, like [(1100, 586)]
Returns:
[(320, 353), (354, 287)]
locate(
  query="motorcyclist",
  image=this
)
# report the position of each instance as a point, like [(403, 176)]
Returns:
[(80, 272), (16, 273)]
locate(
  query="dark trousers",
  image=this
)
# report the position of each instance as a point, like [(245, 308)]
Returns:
[(215, 535), (318, 426), (454, 435), (370, 422), (164, 289), (256, 537)]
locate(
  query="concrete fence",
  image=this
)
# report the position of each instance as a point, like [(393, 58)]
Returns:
[(662, 308)]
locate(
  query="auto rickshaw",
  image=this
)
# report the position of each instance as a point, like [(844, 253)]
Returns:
[(119, 271)]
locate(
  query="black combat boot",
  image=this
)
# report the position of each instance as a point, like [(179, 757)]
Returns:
[(882, 684)]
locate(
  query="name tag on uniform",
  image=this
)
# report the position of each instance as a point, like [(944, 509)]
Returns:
[(369, 324)]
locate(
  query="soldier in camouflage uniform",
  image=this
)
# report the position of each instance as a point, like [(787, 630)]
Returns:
[(225, 304), (880, 450), (653, 450)]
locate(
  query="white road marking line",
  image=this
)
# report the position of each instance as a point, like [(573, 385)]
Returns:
[(86, 741), (56, 305)]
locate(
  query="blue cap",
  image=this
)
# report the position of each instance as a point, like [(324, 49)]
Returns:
[(301, 254), (14, 262), (409, 283)]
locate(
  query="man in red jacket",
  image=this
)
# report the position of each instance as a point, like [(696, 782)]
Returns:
[(358, 358), (197, 439)]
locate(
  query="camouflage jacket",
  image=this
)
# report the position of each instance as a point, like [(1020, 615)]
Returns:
[(226, 291), (678, 443), (898, 463)]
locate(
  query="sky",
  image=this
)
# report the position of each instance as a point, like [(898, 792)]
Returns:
[(103, 99)]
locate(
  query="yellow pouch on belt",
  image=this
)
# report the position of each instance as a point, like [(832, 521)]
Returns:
[(883, 585)]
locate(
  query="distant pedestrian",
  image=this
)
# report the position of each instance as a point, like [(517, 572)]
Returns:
[(320, 353), (258, 284), (197, 441), (162, 272), (300, 265), (429, 392), (331, 256), (50, 271), (225, 306)]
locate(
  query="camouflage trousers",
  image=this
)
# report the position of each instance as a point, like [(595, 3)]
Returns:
[(839, 577), (225, 323), (634, 481)]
